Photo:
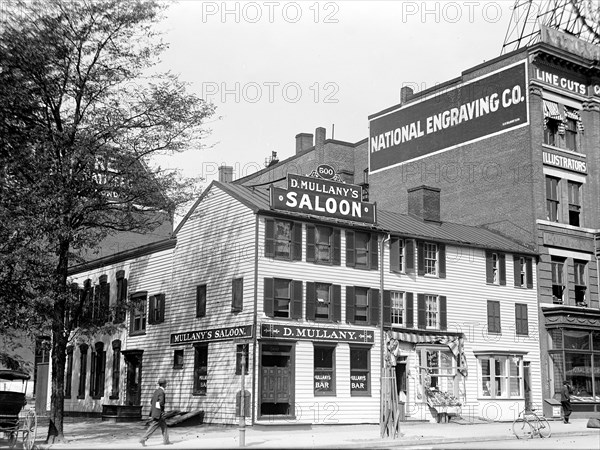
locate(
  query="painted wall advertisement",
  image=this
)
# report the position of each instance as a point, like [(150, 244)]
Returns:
[(487, 106)]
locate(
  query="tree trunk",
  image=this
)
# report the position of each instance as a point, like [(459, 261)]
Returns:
[(59, 348)]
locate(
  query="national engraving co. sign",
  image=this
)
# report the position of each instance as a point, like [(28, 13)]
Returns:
[(269, 330), (214, 334), (322, 197)]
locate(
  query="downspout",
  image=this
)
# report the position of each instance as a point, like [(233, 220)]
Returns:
[(255, 321), (381, 338)]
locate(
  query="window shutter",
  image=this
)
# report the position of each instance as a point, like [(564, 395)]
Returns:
[(296, 312), (161, 303), (152, 307), (374, 251), (350, 299), (201, 294), (442, 260), (421, 312), (350, 259), (502, 259), (489, 267), (102, 373), (409, 245), (269, 238), (387, 308), (529, 272), (373, 306), (420, 258), (337, 247), (395, 255), (336, 293), (310, 243), (237, 294), (92, 374), (517, 270), (269, 297), (296, 241), (443, 314), (409, 310), (310, 300)]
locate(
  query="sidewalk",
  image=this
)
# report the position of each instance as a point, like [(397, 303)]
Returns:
[(94, 433)]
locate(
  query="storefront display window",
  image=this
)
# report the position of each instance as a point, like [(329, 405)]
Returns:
[(324, 359), (360, 383), (438, 369), (501, 376)]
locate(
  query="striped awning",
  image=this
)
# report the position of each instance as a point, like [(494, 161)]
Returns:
[(551, 110)]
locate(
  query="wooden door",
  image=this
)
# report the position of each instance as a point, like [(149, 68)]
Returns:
[(275, 385)]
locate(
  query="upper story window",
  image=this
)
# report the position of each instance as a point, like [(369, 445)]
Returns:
[(283, 298), (398, 309), (401, 255), (558, 284), (431, 259), (431, 311), (574, 202), (120, 306), (523, 271), (283, 239), (521, 319), (201, 300), (572, 128), (580, 282), (237, 294), (362, 305), (552, 201), (493, 317), (138, 313), (361, 250), (495, 268), (323, 302), (323, 244), (562, 126), (156, 313)]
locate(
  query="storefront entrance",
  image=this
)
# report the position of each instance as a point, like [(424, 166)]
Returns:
[(277, 380), (133, 388)]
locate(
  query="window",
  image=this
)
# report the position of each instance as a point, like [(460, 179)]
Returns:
[(574, 202), (552, 202), (501, 376), (138, 313), (431, 311), (323, 306), (493, 317), (323, 302), (283, 298), (283, 240), (523, 271), (156, 313), (116, 368), (571, 128), (360, 380), (552, 119), (83, 348), (201, 300), (103, 300), (322, 244), (69, 372), (237, 294), (521, 320), (439, 368), (362, 305), (580, 282), (401, 255), (324, 367), (431, 259), (97, 371), (178, 359), (120, 306), (361, 250), (398, 310), (558, 284), (200, 369), (242, 350), (495, 268)]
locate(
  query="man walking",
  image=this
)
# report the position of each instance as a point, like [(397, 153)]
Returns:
[(157, 413), (565, 401)]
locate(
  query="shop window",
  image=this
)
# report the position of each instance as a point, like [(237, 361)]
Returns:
[(237, 294), (362, 305), (97, 371), (552, 202), (495, 268), (324, 370), (521, 319), (121, 301), (398, 309), (283, 298), (431, 312), (200, 369), (574, 203), (69, 372), (83, 348), (116, 369), (361, 250), (138, 313), (178, 359), (580, 283), (431, 259), (201, 300), (323, 244), (156, 308), (360, 375), (501, 376), (523, 271), (493, 317), (438, 369), (242, 349), (283, 240), (558, 284), (323, 302)]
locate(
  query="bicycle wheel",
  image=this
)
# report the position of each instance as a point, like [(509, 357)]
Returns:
[(522, 429), (544, 427)]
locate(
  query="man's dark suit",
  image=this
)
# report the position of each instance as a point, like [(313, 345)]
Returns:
[(157, 413)]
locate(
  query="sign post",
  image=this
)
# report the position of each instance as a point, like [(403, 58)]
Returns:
[(242, 394)]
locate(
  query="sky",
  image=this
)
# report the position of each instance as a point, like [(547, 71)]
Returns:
[(277, 68)]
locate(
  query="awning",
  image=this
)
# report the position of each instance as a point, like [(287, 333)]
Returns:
[(551, 110)]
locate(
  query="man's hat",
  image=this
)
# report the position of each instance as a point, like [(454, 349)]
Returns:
[(162, 381)]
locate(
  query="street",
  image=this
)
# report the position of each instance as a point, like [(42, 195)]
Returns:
[(560, 442)]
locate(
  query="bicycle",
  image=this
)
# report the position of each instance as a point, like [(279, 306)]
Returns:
[(528, 425)]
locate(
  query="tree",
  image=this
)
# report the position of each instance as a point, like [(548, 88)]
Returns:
[(81, 118)]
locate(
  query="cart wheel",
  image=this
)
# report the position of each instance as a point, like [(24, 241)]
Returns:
[(12, 439), (29, 430)]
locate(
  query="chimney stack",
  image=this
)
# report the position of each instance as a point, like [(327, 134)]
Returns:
[(405, 94), (225, 174), (424, 203), (320, 134), (304, 141)]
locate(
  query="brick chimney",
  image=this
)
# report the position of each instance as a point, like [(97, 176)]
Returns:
[(225, 174), (424, 203), (320, 134), (304, 141), (405, 94)]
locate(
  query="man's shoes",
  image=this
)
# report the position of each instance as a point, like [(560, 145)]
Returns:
[(143, 442), (168, 443)]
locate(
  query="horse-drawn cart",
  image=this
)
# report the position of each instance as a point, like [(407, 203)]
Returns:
[(14, 419)]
